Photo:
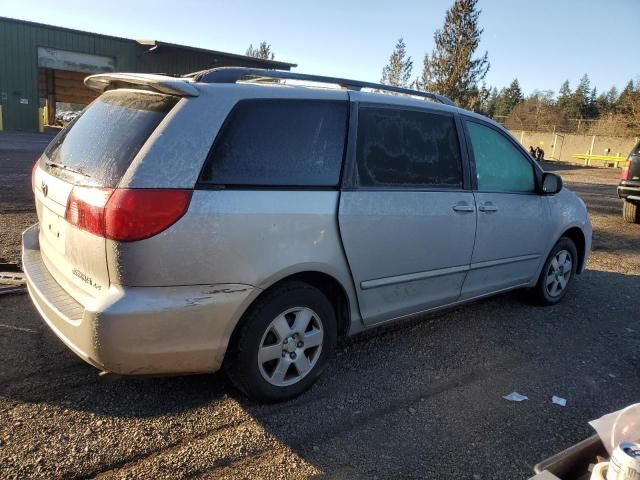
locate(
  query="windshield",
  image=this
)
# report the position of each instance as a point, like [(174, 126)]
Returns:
[(99, 145)]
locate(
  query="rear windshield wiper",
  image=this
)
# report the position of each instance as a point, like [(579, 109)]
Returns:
[(65, 167)]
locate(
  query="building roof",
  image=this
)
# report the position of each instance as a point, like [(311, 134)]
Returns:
[(156, 44)]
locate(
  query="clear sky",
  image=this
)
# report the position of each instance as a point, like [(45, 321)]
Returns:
[(541, 42)]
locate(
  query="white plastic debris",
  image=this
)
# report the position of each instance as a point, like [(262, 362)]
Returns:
[(599, 471), (515, 397), (620, 426), (559, 401)]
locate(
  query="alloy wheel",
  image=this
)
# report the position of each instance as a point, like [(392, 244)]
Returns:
[(559, 273), (290, 346)]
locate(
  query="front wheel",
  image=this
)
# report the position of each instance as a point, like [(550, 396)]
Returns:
[(283, 343), (630, 212), (557, 273)]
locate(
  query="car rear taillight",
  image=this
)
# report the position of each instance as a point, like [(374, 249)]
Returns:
[(86, 208), (624, 174), (138, 214), (126, 215)]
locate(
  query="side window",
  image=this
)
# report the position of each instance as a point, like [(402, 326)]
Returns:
[(407, 148), (280, 143), (500, 167)]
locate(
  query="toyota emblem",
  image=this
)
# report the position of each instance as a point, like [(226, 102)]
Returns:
[(45, 188)]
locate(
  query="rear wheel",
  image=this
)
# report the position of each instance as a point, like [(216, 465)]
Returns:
[(631, 212), (283, 343), (557, 273)]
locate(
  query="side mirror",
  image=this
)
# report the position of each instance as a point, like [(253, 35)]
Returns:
[(551, 183)]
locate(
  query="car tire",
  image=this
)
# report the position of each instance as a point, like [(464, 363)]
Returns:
[(282, 343), (630, 212), (556, 274)]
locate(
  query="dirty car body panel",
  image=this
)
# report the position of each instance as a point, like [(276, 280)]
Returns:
[(169, 300)]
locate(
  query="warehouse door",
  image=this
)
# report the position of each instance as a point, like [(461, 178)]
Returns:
[(61, 77)]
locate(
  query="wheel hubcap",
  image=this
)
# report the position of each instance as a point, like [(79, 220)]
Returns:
[(558, 273), (290, 347)]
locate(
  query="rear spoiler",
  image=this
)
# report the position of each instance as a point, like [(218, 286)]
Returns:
[(159, 83)]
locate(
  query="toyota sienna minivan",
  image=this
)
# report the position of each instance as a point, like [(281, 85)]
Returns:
[(246, 219)]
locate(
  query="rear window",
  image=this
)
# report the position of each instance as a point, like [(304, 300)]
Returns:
[(406, 148), (279, 143), (99, 145), (636, 150)]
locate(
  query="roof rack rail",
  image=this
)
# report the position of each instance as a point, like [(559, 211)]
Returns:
[(234, 74)]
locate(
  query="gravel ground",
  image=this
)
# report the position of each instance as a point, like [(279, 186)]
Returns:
[(420, 400), (18, 153)]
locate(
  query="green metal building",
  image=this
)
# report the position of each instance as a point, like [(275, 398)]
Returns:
[(42, 65)]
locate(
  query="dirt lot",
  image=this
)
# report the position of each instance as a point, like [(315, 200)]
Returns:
[(18, 152), (422, 400)]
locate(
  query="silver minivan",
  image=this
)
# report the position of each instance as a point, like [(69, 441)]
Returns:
[(246, 219)]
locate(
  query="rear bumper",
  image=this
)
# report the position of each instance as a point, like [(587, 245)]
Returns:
[(139, 330), (629, 192)]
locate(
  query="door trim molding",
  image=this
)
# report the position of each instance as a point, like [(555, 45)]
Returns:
[(411, 277), (503, 261), (442, 307)]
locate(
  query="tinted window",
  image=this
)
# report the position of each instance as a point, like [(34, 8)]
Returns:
[(500, 167), (407, 148), (284, 142), (99, 145)]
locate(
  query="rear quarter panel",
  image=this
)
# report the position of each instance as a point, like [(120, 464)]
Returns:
[(251, 237)]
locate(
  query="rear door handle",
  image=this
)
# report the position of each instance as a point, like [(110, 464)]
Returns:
[(462, 207), (488, 207)]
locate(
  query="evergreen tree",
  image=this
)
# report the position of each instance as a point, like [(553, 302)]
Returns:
[(398, 71), (509, 98), (625, 100), (423, 81), (539, 111), (565, 98), (483, 97), (612, 97), (491, 103), (451, 69), (514, 92), (592, 104), (263, 51), (603, 106), (565, 90), (581, 97)]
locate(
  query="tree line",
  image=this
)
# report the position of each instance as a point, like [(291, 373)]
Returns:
[(582, 109), (263, 51), (454, 70), (451, 69)]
